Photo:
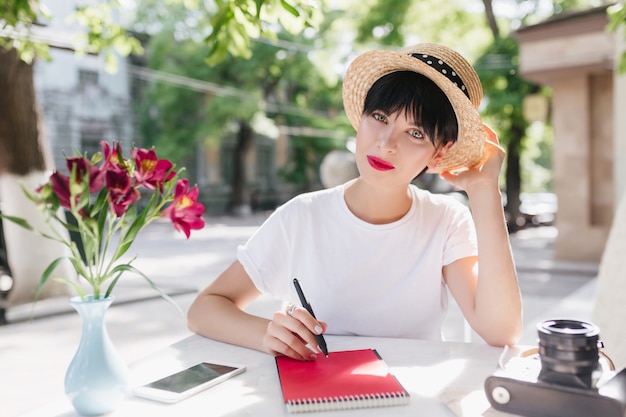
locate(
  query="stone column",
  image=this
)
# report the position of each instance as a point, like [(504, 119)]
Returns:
[(583, 163), (571, 159)]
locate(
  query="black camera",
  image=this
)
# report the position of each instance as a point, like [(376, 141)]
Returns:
[(566, 377)]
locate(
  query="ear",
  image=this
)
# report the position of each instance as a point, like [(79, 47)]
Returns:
[(439, 154)]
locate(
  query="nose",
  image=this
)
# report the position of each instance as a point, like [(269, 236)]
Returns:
[(387, 141)]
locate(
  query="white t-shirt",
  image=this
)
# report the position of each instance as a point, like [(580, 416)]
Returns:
[(363, 279)]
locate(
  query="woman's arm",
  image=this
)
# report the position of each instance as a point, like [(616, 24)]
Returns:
[(217, 313), (486, 287)]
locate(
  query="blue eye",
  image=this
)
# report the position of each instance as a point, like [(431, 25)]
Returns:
[(416, 134), (380, 117)]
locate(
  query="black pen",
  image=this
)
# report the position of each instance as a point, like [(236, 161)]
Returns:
[(318, 337)]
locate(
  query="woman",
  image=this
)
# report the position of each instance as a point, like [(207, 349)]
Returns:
[(376, 256)]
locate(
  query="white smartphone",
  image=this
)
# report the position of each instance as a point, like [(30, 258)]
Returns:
[(190, 381)]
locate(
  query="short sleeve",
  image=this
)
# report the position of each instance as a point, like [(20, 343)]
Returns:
[(461, 235), (266, 255)]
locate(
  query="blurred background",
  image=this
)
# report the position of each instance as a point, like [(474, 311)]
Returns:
[(249, 100)]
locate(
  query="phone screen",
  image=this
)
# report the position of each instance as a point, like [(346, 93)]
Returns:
[(191, 377)]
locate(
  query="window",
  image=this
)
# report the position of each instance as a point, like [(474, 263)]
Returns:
[(87, 78)]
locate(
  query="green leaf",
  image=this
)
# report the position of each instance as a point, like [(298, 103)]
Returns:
[(259, 6), (617, 16), (290, 8), (127, 239), (33, 196), (110, 62), (125, 267), (17, 220), (112, 284), (46, 275), (78, 265), (79, 290), (216, 54)]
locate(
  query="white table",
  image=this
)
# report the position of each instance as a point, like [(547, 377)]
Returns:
[(434, 373)]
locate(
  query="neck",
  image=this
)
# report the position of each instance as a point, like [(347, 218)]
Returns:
[(377, 205)]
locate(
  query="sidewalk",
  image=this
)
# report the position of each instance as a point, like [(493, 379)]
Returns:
[(35, 354)]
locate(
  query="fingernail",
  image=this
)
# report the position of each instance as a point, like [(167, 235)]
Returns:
[(312, 356), (318, 329)]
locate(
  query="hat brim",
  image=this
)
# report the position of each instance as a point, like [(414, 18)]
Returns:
[(363, 72)]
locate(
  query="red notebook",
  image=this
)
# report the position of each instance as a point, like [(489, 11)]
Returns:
[(344, 380)]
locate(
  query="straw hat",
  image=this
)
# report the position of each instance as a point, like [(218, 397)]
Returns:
[(446, 68)]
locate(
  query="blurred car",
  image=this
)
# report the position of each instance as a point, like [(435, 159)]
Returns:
[(537, 209)]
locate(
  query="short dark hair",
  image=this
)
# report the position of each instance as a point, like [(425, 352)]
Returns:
[(413, 92)]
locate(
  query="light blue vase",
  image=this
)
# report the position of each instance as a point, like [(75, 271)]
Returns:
[(96, 380)]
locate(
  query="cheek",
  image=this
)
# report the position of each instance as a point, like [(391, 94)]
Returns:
[(365, 135), (416, 160)]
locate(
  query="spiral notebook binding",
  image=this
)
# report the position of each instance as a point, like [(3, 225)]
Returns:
[(346, 403), (345, 380)]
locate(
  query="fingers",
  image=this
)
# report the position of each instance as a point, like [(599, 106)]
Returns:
[(492, 136), (488, 169), (288, 335), (301, 314)]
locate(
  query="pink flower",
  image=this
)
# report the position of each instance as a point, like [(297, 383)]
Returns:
[(121, 191), (60, 185), (185, 212), (103, 190), (151, 172), (84, 167), (111, 156)]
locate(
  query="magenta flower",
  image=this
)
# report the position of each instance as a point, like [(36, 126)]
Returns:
[(121, 191), (151, 172), (185, 212), (102, 195), (111, 156), (84, 167), (60, 185)]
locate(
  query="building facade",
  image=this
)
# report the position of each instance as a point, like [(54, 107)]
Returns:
[(82, 103), (576, 57)]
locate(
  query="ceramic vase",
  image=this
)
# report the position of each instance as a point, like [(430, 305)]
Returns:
[(96, 380)]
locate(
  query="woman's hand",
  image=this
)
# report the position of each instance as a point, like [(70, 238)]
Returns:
[(486, 172), (290, 332)]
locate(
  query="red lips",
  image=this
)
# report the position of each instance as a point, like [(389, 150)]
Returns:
[(379, 164)]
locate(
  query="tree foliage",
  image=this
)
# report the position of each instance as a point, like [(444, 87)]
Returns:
[(236, 22), (278, 82), (230, 25), (383, 21), (617, 19), (104, 32), (498, 70)]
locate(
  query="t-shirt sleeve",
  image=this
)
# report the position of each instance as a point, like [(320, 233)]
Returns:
[(265, 256), (461, 235)]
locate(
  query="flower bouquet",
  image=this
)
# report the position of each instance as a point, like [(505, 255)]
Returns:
[(107, 200)]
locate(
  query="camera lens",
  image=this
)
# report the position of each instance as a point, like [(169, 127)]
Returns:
[(568, 350)]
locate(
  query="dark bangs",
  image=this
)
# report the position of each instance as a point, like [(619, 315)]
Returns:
[(418, 97)]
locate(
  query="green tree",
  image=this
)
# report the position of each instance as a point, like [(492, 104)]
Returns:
[(278, 81), (383, 22), (506, 90), (229, 26)]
